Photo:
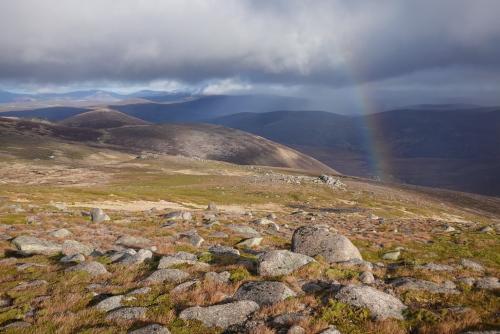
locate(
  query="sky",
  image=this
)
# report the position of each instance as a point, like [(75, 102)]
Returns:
[(343, 55)]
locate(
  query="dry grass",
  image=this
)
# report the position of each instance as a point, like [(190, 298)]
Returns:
[(262, 329), (206, 293)]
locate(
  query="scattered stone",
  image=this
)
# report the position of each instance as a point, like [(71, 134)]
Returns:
[(98, 216), (244, 231), (5, 301), (72, 247), (139, 291), (224, 252), (193, 237), (151, 329), (469, 264), (366, 277), (75, 258), (380, 304), (220, 235), (449, 228), (15, 324), (127, 314), (92, 268), (179, 215), (222, 277), (137, 258), (27, 245), (281, 262), (31, 284), (468, 281), (60, 233), (410, 283), (332, 182), (296, 329), (263, 292), (167, 275), (288, 319), (133, 242), (313, 241), (392, 256), (331, 330), (211, 207), (487, 283), (109, 303), (486, 229), (185, 286), (250, 242), (223, 315), (262, 221), (180, 258), (436, 267)]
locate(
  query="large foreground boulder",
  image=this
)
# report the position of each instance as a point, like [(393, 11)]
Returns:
[(28, 245), (223, 315), (380, 304), (264, 292), (313, 241), (281, 262)]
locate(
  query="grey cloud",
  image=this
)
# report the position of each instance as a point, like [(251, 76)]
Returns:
[(334, 43)]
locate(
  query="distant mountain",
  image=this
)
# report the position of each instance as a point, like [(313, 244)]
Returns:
[(102, 119), (208, 107), (455, 149), (51, 113)]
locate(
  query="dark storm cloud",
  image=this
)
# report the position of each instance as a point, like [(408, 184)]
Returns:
[(286, 42)]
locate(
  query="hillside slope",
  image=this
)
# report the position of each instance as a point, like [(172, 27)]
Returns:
[(102, 119), (192, 140)]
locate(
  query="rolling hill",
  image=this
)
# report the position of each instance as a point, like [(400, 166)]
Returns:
[(202, 141), (102, 119)]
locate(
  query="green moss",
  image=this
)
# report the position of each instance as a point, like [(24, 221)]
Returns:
[(239, 274), (341, 273), (346, 318), (179, 326)]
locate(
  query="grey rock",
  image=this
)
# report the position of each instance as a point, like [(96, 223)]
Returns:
[(331, 330), (469, 264), (288, 319), (110, 303), (28, 245), (263, 292), (151, 329), (313, 241), (193, 237), (30, 285), (5, 301), (133, 242), (393, 255), (221, 278), (296, 329), (180, 258), (60, 233), (409, 283), (92, 268), (250, 242), (436, 267), (281, 262), (224, 251), (220, 235), (185, 286), (244, 231), (487, 283), (139, 291), (167, 275), (98, 216), (482, 332), (15, 324), (366, 277), (223, 315), (72, 247), (179, 215), (127, 314), (380, 304), (468, 281), (486, 229), (138, 258), (212, 207), (75, 258)]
